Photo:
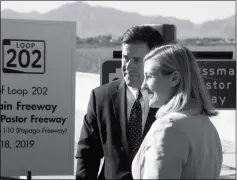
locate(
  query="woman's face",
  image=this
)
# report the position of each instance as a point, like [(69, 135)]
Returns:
[(159, 87)]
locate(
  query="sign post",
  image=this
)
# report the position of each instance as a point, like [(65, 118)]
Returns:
[(37, 91)]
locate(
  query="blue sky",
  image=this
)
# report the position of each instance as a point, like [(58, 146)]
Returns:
[(195, 11)]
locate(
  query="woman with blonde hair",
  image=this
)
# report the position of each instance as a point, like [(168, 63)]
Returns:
[(182, 143)]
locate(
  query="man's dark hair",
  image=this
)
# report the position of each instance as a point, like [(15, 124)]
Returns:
[(145, 34)]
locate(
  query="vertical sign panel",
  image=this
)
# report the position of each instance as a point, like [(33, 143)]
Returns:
[(37, 97), (219, 77), (220, 80)]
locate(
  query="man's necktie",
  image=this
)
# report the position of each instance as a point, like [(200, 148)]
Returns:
[(135, 127)]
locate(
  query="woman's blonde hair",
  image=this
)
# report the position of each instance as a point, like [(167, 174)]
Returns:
[(172, 58)]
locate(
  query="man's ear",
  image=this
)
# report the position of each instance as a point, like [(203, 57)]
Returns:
[(175, 78)]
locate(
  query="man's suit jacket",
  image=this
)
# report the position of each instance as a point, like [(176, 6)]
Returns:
[(104, 134)]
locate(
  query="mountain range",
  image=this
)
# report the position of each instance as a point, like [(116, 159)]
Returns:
[(95, 21)]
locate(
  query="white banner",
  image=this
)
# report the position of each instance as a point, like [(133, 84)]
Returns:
[(37, 110)]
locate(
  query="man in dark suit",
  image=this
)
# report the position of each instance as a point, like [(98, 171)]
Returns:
[(113, 127)]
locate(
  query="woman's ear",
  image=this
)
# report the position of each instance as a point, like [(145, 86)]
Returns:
[(175, 78)]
